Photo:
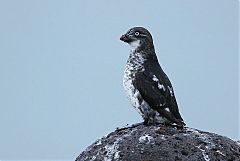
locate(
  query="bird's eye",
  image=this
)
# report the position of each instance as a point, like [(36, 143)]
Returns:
[(136, 33)]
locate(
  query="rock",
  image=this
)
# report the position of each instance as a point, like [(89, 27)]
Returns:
[(161, 143)]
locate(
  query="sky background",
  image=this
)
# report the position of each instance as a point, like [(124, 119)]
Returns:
[(61, 67)]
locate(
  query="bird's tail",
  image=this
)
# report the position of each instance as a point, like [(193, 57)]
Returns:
[(171, 118)]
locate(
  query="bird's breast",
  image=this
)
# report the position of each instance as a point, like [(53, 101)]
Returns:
[(135, 64), (130, 71), (131, 91)]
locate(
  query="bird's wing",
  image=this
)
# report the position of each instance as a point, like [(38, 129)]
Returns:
[(173, 107), (152, 92), (157, 91)]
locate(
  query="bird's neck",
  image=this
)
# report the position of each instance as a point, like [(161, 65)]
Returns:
[(145, 47), (143, 53), (136, 57)]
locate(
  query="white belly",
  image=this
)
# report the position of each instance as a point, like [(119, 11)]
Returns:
[(132, 94), (136, 99)]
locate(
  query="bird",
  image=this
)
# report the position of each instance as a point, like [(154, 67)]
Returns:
[(146, 84)]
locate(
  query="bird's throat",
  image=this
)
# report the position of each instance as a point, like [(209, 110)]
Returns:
[(135, 44)]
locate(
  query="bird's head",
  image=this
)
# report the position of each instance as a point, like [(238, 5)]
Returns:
[(138, 37)]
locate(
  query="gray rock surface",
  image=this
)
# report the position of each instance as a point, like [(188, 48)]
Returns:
[(161, 143)]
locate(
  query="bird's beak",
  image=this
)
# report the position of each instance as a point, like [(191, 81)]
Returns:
[(125, 38)]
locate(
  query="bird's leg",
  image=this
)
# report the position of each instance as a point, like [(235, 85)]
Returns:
[(149, 122), (146, 121)]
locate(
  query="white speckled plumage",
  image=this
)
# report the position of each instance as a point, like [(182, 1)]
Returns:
[(135, 64), (160, 86), (146, 84)]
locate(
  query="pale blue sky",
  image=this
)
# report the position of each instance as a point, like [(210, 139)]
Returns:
[(61, 67)]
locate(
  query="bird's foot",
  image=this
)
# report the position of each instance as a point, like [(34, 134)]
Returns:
[(174, 125), (129, 127)]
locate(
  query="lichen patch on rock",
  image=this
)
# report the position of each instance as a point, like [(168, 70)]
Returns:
[(146, 139), (161, 143)]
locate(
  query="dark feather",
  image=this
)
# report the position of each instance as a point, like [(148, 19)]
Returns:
[(157, 98), (145, 75)]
